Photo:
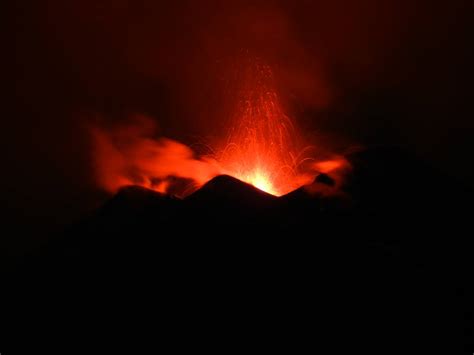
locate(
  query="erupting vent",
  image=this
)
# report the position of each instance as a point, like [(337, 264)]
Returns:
[(262, 147)]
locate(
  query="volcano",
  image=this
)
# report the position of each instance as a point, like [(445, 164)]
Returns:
[(349, 269)]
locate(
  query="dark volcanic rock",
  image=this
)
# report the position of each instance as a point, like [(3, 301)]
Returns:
[(136, 200), (389, 272), (325, 179), (229, 201), (225, 189)]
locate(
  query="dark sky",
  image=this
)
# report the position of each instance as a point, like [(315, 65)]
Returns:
[(377, 72)]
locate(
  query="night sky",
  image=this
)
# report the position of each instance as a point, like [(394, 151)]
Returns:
[(374, 72)]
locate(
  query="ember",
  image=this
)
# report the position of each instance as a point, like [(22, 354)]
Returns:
[(263, 147)]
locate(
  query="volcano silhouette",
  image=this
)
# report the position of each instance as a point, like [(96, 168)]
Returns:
[(350, 270)]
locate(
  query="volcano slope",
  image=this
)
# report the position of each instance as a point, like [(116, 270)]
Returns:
[(382, 263)]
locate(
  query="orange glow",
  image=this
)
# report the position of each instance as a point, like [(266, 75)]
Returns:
[(130, 154), (262, 148), (262, 182), (329, 165)]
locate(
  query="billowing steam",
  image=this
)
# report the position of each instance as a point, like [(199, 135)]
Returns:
[(263, 146), (132, 154)]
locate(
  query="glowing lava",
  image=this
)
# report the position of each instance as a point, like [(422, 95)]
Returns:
[(262, 182), (262, 148)]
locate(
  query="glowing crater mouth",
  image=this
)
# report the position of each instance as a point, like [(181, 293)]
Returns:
[(261, 182)]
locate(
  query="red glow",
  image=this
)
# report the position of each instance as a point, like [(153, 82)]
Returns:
[(262, 148), (330, 165), (130, 154)]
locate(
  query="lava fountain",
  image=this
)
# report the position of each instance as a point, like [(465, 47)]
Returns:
[(262, 147)]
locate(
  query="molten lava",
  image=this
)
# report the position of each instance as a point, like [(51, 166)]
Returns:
[(262, 148), (261, 181)]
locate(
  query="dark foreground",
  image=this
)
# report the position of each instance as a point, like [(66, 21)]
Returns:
[(384, 267)]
